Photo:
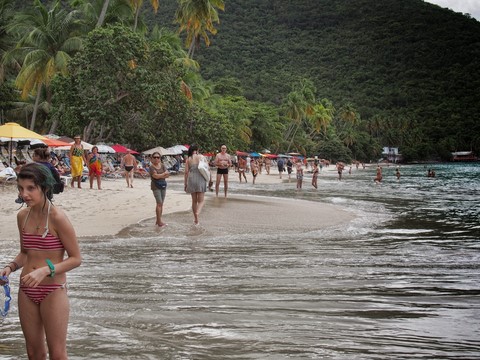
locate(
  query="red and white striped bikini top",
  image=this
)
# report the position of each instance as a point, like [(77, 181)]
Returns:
[(46, 241)]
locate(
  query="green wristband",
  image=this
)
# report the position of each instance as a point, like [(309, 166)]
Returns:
[(51, 266)]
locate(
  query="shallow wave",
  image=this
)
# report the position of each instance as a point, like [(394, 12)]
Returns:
[(399, 281)]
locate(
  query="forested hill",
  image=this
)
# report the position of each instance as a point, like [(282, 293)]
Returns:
[(386, 58)]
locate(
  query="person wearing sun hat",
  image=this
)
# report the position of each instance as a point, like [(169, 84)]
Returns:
[(77, 158)]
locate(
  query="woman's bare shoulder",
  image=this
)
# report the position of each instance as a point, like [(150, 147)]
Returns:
[(22, 213)]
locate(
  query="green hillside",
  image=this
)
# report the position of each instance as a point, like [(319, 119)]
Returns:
[(391, 60)]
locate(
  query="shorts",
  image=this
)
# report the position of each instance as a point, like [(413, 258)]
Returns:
[(159, 195), (222, 171)]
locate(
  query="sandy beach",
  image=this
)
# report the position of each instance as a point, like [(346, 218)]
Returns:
[(106, 212)]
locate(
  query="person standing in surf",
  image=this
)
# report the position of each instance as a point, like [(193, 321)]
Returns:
[(46, 236), (194, 183), (223, 163)]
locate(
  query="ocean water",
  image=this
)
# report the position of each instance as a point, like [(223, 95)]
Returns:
[(400, 281)]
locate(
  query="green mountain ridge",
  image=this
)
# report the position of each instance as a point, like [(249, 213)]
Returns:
[(390, 59)]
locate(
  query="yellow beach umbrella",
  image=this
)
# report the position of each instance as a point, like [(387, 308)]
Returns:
[(13, 130)]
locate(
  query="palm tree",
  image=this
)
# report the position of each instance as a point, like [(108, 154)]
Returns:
[(6, 15), (299, 107), (95, 13), (322, 116), (137, 6), (103, 13), (295, 110), (197, 17), (45, 49), (348, 114)]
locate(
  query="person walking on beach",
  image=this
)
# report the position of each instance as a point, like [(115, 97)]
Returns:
[(254, 167), (129, 163), (378, 177), (260, 165), (340, 167), (242, 167), (223, 163), (77, 159), (289, 168), (299, 169), (268, 164), (46, 236), (158, 173), (314, 174), (95, 168), (194, 183), (280, 165)]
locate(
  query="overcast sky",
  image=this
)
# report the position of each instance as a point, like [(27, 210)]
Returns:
[(471, 7)]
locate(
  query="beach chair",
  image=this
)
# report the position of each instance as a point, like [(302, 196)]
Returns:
[(26, 155), (140, 172), (8, 175), (66, 179), (109, 171), (172, 165), (4, 154)]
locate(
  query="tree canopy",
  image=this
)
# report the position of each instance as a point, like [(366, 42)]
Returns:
[(338, 79)]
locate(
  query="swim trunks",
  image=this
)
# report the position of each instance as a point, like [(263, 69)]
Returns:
[(128, 168), (222, 171)]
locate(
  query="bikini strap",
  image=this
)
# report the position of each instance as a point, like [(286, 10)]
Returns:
[(26, 218), (46, 224)]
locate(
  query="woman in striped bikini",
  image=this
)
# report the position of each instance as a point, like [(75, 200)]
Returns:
[(46, 236)]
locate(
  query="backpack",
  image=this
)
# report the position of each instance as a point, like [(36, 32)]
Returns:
[(59, 185)]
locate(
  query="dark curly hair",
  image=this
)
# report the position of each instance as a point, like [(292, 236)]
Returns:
[(191, 149), (41, 176)]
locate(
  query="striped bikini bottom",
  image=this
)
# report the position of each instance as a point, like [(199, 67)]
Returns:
[(39, 293)]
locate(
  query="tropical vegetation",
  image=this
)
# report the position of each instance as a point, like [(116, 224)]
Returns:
[(337, 79)]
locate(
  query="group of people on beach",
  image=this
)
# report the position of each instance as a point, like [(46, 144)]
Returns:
[(48, 243), (196, 184), (78, 157)]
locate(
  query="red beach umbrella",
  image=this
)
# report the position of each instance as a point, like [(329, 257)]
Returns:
[(122, 149)]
